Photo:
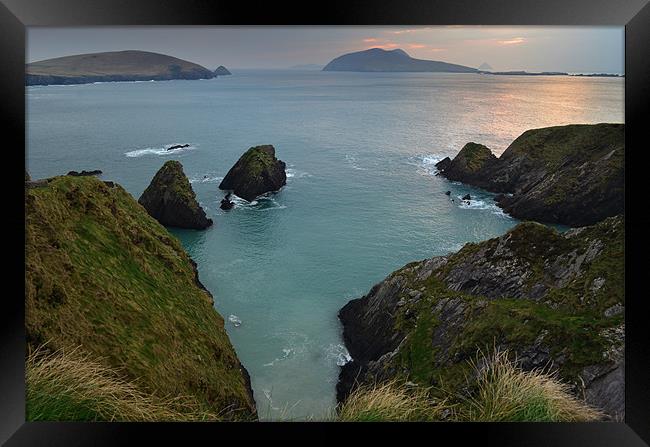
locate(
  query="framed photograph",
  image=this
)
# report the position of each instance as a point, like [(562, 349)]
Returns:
[(361, 219)]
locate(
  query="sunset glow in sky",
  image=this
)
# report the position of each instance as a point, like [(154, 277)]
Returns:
[(571, 49)]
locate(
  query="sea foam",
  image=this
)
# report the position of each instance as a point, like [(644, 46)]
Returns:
[(159, 150)]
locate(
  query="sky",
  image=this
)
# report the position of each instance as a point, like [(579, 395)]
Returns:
[(556, 48)]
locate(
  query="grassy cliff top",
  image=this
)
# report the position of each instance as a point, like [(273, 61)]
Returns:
[(104, 275), (577, 142), (473, 156), (258, 158), (123, 63)]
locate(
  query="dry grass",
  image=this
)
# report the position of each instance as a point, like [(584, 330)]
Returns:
[(390, 402), (70, 386), (503, 392), (507, 393)]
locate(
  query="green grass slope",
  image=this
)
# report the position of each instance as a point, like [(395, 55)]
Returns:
[(104, 275)]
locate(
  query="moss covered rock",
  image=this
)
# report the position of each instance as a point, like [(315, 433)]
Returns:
[(256, 172), (548, 298), (104, 275), (572, 175), (170, 199)]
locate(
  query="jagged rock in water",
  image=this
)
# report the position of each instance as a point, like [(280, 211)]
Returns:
[(169, 198), (467, 197), (226, 204), (222, 71), (447, 193), (85, 173), (256, 172), (545, 296), (177, 146), (571, 175)]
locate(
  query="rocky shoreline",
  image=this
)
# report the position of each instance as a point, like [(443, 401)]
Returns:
[(554, 300), (571, 175)]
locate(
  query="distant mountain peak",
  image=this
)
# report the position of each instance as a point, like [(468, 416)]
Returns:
[(485, 67)]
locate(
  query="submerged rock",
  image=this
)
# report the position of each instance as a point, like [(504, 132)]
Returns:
[(256, 172), (571, 175), (448, 193), (169, 198), (527, 291)]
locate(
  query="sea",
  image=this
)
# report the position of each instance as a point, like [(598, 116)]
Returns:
[(362, 196)]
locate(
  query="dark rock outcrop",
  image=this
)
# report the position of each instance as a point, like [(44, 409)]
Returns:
[(169, 199), (226, 204), (256, 172), (222, 71), (542, 295), (572, 175), (177, 146), (85, 173)]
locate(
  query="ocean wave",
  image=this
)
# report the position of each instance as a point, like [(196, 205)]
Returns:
[(293, 173), (235, 320), (206, 178), (338, 353), (352, 161), (286, 353), (481, 204), (426, 163), (263, 203), (159, 150)]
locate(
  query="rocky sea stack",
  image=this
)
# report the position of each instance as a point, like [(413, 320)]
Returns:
[(169, 198), (572, 175), (256, 172), (105, 280), (222, 71), (552, 299)]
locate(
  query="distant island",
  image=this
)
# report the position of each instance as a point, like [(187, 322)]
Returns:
[(222, 71), (398, 60), (129, 65)]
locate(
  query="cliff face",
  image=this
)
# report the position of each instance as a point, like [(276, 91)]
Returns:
[(130, 65), (571, 175), (256, 172), (546, 297), (104, 275), (169, 199)]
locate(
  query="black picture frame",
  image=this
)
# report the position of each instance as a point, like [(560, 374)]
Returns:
[(15, 15)]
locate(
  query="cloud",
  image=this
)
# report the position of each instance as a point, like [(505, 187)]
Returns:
[(513, 41), (436, 50), (415, 46), (387, 45), (371, 39), (411, 30)]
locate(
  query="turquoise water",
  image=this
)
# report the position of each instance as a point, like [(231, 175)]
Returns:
[(361, 199)]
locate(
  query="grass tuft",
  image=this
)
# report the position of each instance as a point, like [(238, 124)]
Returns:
[(507, 393), (390, 402), (69, 385)]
